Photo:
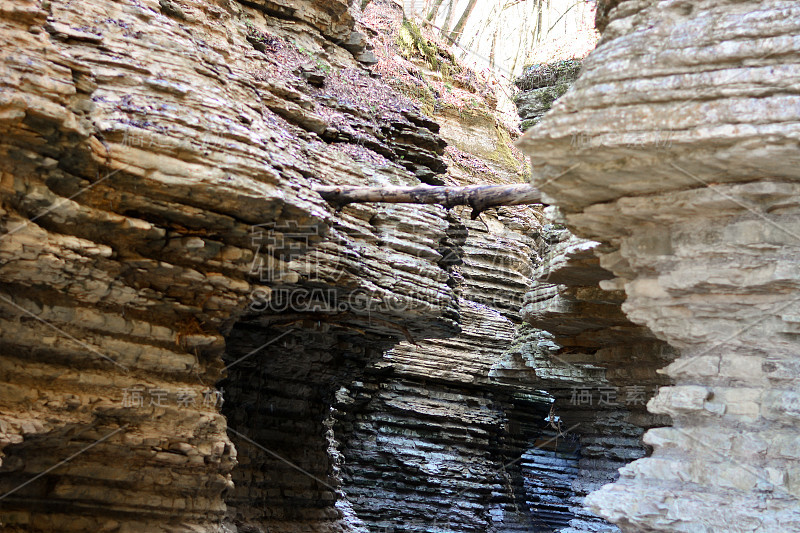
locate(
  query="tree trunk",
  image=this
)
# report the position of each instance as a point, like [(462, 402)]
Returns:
[(455, 35), (434, 11), (448, 19), (479, 197)]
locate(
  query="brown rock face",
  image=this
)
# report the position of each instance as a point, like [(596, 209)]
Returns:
[(192, 340), (331, 18), (156, 169), (676, 148)]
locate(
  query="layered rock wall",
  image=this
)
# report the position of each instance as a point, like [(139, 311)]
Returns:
[(146, 147), (541, 85), (434, 435), (686, 174), (599, 367), (192, 339)]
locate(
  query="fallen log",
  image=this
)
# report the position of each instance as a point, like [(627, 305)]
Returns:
[(479, 197)]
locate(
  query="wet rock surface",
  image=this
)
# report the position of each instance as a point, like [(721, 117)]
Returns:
[(599, 367), (433, 439)]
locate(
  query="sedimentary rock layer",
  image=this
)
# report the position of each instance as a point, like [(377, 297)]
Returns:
[(192, 339), (599, 367), (540, 85), (157, 163), (431, 439), (685, 168)]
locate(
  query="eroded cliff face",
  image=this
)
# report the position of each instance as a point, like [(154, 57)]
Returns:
[(192, 339), (600, 367), (157, 162), (685, 173)]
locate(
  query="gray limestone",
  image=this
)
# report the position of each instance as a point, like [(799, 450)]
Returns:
[(682, 161)]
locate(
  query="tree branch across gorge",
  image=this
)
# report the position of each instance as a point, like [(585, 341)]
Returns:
[(479, 197)]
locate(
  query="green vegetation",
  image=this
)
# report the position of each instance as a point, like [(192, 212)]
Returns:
[(411, 42), (423, 95), (558, 69), (323, 66), (503, 153), (303, 50), (541, 98), (547, 95), (437, 81)]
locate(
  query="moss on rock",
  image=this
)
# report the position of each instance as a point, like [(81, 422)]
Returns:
[(412, 43), (545, 75), (527, 124)]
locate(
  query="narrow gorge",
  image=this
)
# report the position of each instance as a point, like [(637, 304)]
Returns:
[(192, 339)]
